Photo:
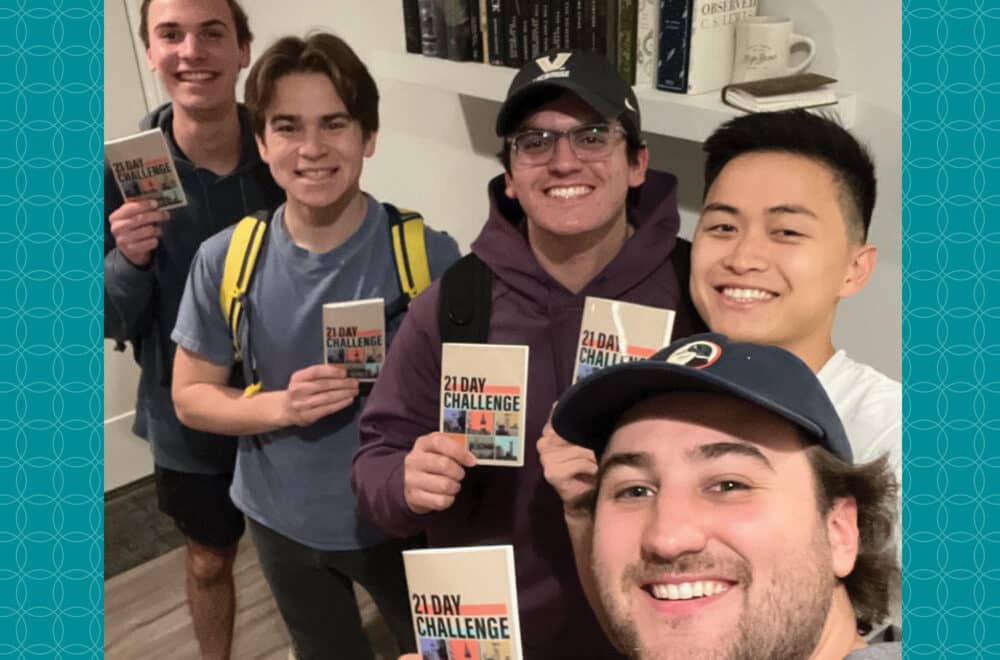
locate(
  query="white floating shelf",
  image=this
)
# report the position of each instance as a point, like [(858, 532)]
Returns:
[(663, 113)]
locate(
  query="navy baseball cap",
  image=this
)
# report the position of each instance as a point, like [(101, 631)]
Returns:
[(587, 74), (767, 376)]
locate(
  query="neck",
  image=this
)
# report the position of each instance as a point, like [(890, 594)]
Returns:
[(815, 353), (211, 139), (840, 633), (574, 261), (320, 230)]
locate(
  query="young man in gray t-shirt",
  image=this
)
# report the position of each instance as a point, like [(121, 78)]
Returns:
[(314, 108)]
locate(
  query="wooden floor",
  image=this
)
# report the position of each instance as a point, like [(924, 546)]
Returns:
[(146, 615)]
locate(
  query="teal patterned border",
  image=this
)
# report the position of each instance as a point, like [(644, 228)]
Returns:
[(51, 368), (951, 328), (51, 365)]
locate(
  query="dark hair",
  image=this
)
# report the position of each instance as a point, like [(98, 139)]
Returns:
[(802, 133), (876, 575), (320, 52), (243, 34), (633, 141)]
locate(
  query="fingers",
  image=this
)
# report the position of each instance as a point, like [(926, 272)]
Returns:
[(136, 228), (433, 472)]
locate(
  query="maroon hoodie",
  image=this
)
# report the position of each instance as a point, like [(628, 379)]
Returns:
[(499, 505)]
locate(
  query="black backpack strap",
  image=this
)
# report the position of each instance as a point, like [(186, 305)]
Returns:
[(464, 309), (680, 260)]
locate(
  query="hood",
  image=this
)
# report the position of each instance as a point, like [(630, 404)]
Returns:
[(163, 117), (652, 211)]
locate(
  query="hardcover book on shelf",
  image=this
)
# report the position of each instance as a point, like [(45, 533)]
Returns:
[(464, 602), (697, 41), (354, 337), (432, 41), (144, 169), (803, 90), (645, 42), (627, 31), (496, 28), (613, 331), (457, 28), (411, 25), (483, 396)]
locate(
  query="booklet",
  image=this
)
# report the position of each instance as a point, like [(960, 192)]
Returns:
[(483, 396), (144, 169), (614, 331), (354, 335), (464, 602)]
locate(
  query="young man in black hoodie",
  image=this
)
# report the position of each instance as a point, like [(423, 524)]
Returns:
[(197, 48)]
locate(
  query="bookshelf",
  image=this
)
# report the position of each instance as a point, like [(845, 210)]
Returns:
[(663, 113)]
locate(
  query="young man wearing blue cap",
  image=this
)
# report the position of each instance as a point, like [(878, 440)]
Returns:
[(729, 519), (575, 214)]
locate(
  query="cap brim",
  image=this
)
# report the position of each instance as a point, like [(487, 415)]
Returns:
[(588, 412), (514, 108)]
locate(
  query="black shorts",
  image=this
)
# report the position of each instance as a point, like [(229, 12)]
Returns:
[(200, 506)]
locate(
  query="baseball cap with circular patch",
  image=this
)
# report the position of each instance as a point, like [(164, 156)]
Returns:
[(767, 376)]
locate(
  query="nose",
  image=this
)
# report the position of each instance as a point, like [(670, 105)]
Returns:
[(191, 47), (563, 157), (312, 145), (748, 253), (674, 528)]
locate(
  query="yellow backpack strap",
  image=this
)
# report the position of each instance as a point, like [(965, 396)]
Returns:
[(407, 228), (241, 259)]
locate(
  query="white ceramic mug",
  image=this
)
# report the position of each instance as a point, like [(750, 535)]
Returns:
[(764, 46)]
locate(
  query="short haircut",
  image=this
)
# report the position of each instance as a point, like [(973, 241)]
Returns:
[(243, 34), (320, 52), (876, 575), (803, 134)]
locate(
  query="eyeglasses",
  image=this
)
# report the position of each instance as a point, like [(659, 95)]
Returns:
[(589, 142)]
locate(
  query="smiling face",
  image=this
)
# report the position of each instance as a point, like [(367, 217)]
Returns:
[(194, 50), (315, 149), (772, 254), (707, 540), (567, 196)]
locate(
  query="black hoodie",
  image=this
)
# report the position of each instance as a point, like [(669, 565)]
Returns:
[(141, 303)]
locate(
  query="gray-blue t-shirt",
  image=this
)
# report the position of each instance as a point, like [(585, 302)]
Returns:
[(295, 480)]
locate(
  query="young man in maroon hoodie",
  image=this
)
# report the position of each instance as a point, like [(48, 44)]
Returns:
[(575, 214)]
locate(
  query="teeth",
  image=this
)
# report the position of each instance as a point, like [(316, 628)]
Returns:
[(315, 174), (687, 590), (195, 76), (569, 192), (746, 294)]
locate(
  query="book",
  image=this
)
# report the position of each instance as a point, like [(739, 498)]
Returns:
[(432, 43), (144, 169), (645, 42), (803, 90), (464, 602), (627, 30), (697, 42), (354, 337), (512, 14), (496, 39), (476, 33), (483, 399), (457, 30), (484, 30), (411, 25), (614, 331)]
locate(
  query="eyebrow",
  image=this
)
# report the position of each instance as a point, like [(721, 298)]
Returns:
[(719, 449), (640, 460), (773, 210), (294, 118), (174, 25)]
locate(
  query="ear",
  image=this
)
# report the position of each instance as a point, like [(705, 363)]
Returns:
[(842, 533), (637, 171), (508, 182), (370, 144), (262, 147), (245, 55), (859, 270)]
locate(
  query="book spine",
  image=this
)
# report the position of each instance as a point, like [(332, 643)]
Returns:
[(577, 15), (588, 34), (475, 33), (431, 30), (645, 43), (411, 26), (607, 29), (675, 42), (536, 29), (484, 33), (457, 29), (496, 38), (555, 27), (627, 18), (512, 30)]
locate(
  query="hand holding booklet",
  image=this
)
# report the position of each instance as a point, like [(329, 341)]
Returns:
[(144, 169), (354, 337)]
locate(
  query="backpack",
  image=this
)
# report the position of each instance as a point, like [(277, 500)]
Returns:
[(464, 308), (406, 233)]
